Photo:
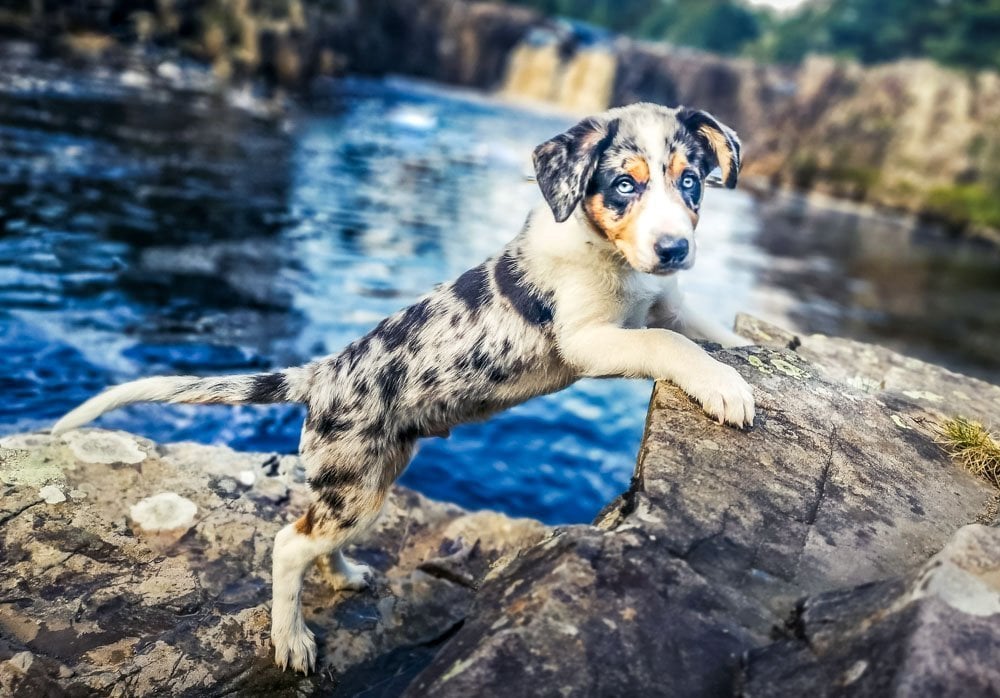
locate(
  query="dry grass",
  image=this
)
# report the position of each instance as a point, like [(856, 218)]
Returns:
[(972, 445)]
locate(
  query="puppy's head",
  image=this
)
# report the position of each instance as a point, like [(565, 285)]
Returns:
[(637, 175)]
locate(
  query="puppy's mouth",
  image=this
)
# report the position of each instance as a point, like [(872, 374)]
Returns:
[(672, 268)]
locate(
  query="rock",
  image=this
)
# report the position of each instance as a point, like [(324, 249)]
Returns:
[(874, 369), (720, 535), (934, 633), (86, 599), (810, 554)]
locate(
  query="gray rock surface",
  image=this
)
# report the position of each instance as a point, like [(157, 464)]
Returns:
[(934, 633), (768, 562), (720, 535), (100, 595)]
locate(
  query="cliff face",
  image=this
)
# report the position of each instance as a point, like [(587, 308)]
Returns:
[(911, 134)]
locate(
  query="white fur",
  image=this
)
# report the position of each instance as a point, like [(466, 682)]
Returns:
[(599, 300), (159, 388)]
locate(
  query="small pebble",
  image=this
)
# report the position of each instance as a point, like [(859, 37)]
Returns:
[(247, 478), (52, 494)]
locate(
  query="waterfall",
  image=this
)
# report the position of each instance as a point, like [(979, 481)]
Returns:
[(583, 83), (587, 81)]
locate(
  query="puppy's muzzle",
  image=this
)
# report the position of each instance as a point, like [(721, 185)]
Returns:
[(672, 253)]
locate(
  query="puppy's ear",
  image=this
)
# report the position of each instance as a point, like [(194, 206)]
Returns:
[(720, 142), (565, 164)]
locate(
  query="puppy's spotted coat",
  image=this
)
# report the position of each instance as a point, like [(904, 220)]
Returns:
[(567, 298)]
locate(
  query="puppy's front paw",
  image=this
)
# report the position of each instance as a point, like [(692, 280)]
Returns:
[(295, 648), (722, 392)]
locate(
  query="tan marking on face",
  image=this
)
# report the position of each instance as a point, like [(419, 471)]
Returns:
[(637, 168), (678, 163), (622, 231), (720, 145)]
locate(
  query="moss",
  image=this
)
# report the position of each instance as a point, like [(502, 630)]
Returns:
[(853, 181), (973, 446), (965, 205)]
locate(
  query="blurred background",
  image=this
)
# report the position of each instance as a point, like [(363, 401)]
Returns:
[(229, 186)]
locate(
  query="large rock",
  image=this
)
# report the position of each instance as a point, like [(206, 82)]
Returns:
[(720, 535), (133, 569), (935, 633)]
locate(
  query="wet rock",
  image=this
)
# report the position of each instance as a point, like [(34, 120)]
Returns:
[(933, 633)]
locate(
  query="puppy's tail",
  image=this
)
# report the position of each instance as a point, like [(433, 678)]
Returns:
[(290, 385)]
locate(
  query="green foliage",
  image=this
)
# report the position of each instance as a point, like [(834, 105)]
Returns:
[(722, 26), (972, 445), (960, 204), (963, 33)]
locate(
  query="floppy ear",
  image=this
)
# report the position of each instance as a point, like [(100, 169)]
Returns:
[(565, 164), (719, 141)]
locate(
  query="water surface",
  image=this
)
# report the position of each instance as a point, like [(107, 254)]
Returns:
[(146, 230)]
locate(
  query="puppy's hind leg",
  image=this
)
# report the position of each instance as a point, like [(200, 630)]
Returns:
[(295, 549), (344, 574), (319, 533)]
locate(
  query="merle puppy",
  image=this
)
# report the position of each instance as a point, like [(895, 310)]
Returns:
[(568, 297)]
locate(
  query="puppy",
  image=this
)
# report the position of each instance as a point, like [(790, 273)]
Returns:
[(567, 298)]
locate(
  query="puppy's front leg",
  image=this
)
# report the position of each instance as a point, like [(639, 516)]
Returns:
[(608, 350)]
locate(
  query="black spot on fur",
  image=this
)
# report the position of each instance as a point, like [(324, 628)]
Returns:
[(334, 479), (534, 306), (349, 522), (328, 423), (374, 432), (395, 330), (429, 378), (355, 352), (333, 499), (268, 387), (481, 360), (390, 379), (497, 375), (473, 287)]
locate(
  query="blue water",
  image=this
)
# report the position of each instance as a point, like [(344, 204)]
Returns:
[(146, 230)]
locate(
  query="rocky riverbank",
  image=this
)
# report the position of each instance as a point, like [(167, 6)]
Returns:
[(833, 549), (911, 135)]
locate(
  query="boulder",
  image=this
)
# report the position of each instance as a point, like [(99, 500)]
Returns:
[(719, 537), (934, 633)]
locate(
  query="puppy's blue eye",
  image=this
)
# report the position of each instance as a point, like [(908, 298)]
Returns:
[(688, 182), (625, 186)]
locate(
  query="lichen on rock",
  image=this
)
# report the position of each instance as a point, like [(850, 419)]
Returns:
[(167, 511)]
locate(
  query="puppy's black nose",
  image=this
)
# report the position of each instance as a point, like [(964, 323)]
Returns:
[(670, 250)]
